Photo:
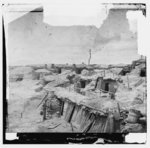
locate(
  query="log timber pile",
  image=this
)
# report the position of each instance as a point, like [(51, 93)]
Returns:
[(74, 110)]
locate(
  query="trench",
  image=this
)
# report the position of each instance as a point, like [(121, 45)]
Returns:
[(87, 119)]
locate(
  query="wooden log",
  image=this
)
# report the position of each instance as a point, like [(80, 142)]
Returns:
[(117, 128), (91, 130), (44, 110), (43, 99), (101, 124), (67, 109), (87, 115), (78, 116), (84, 121), (54, 126), (75, 113), (83, 117), (90, 107), (71, 114), (70, 111), (118, 109), (89, 124), (109, 126), (62, 107), (96, 124)]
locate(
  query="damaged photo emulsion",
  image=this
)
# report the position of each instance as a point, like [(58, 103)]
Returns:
[(85, 77)]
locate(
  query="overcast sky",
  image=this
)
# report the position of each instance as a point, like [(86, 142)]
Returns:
[(112, 37)]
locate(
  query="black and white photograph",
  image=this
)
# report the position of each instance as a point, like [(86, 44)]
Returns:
[(73, 72)]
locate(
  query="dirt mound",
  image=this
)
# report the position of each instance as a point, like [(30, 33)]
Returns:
[(44, 71), (20, 73), (102, 103), (21, 70)]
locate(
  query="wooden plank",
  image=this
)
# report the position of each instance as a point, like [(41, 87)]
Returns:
[(75, 113), (62, 107), (69, 120), (89, 124), (85, 120)]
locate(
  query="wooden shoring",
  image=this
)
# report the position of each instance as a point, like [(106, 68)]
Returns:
[(95, 109), (78, 115), (44, 110), (89, 123), (101, 123), (99, 127), (77, 107), (109, 126), (98, 124), (68, 106), (62, 107), (43, 99), (86, 118), (95, 124), (117, 126), (83, 116), (71, 114), (69, 111)]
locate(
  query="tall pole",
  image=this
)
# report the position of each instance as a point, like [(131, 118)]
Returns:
[(89, 57)]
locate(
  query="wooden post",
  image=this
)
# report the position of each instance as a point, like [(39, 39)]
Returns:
[(89, 57), (109, 125), (118, 108), (62, 107), (44, 110)]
